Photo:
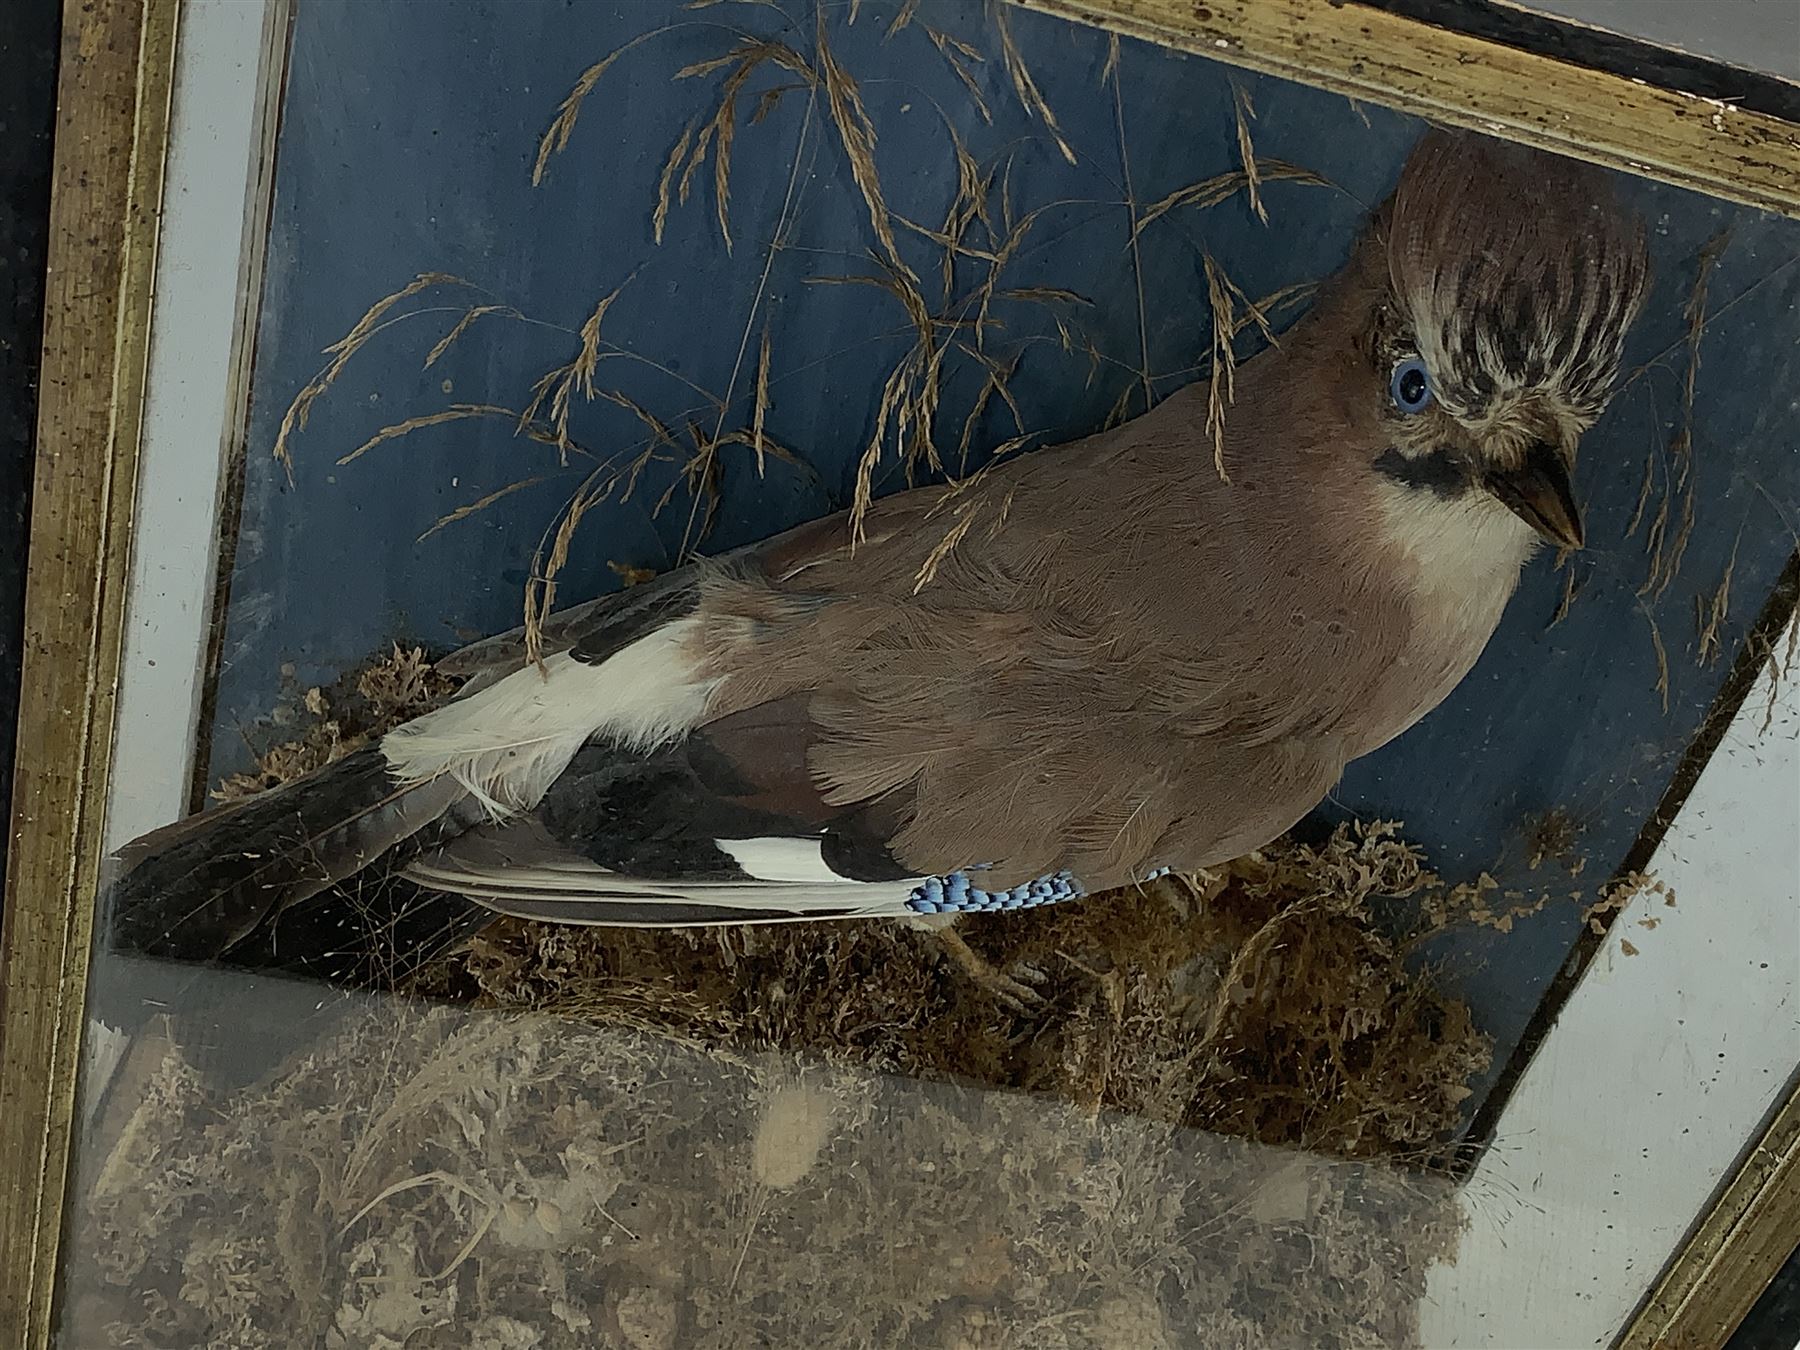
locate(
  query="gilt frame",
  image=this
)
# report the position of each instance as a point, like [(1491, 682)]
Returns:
[(114, 96), (114, 87)]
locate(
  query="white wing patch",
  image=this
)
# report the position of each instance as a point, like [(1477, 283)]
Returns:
[(785, 859), (508, 743)]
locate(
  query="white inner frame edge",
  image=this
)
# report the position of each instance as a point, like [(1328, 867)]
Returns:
[(217, 184), (1647, 1089), (1657, 1072), (208, 274)]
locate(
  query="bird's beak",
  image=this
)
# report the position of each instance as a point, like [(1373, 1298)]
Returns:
[(1538, 492)]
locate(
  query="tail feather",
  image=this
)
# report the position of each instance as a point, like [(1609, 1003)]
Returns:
[(198, 888)]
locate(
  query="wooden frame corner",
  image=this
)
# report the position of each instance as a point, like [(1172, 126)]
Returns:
[(1703, 144)]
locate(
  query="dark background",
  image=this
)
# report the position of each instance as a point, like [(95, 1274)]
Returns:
[(28, 37), (1775, 1320)]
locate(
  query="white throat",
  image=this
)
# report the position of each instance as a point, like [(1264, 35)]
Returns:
[(1467, 551)]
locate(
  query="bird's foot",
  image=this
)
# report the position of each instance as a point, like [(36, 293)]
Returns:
[(1011, 993)]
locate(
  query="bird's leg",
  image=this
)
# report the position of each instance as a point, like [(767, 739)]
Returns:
[(1011, 993), (1207, 884)]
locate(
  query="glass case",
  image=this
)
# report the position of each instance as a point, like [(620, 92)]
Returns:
[(466, 315)]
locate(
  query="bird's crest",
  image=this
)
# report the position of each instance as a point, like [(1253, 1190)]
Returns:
[(1520, 275)]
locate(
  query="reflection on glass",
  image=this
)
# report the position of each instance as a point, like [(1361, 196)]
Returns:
[(644, 1176)]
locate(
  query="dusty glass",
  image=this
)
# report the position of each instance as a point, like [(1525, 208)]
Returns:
[(552, 300)]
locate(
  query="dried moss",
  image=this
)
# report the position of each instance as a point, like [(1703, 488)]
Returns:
[(1265, 1002), (388, 689)]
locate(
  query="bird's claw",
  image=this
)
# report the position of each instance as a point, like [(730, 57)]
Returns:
[(1010, 992)]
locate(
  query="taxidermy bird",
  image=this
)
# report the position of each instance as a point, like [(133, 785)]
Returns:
[(1129, 662)]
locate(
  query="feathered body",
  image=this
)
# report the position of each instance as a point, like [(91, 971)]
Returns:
[(1126, 662)]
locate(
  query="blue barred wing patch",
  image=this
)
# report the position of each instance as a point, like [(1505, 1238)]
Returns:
[(957, 893)]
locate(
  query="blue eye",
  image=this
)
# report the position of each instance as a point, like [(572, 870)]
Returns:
[(1410, 387)]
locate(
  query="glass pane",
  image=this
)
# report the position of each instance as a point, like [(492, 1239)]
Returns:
[(553, 300)]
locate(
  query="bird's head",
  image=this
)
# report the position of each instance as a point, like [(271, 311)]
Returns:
[(1507, 281)]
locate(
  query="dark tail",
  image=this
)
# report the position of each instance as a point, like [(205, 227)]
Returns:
[(298, 878)]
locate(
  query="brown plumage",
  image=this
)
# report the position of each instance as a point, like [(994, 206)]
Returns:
[(1126, 662)]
